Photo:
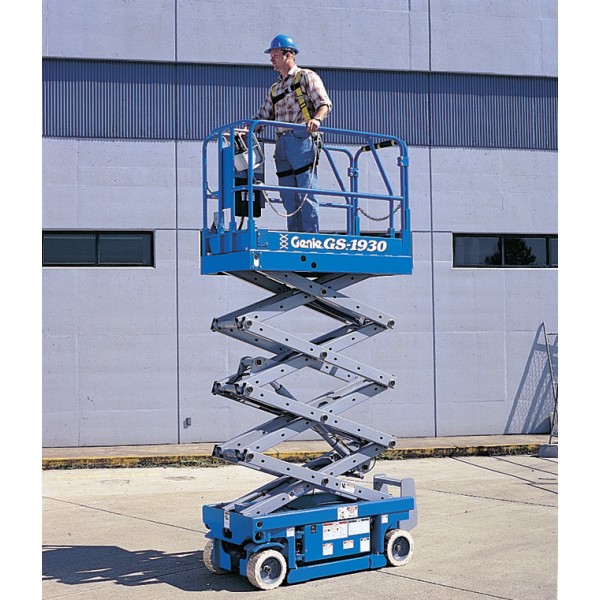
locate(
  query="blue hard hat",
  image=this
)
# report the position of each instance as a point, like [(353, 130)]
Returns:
[(283, 42)]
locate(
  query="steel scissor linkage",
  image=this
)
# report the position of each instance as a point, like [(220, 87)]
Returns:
[(257, 383)]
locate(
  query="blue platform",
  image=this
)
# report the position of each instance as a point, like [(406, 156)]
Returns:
[(230, 244), (266, 250)]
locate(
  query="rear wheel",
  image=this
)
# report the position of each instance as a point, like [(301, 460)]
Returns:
[(399, 547), (209, 561), (266, 570)]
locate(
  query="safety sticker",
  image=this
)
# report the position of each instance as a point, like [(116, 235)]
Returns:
[(359, 526), (226, 518), (290, 532), (348, 512), (384, 518), (348, 544), (348, 487), (327, 549), (365, 544), (335, 531)]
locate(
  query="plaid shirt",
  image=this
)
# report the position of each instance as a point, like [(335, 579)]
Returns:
[(288, 108)]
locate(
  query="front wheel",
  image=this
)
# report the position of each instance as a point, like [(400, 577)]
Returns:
[(267, 569), (399, 547)]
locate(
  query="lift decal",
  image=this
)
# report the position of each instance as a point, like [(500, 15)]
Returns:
[(347, 536), (335, 531), (343, 529), (328, 244)]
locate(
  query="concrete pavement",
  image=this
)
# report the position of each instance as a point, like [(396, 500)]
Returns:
[(487, 529)]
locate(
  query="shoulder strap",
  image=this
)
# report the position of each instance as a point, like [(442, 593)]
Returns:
[(296, 86), (275, 98), (300, 96)]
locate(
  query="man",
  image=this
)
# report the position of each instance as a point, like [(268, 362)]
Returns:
[(298, 96)]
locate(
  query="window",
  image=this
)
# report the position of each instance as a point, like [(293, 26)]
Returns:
[(97, 249), (505, 250)]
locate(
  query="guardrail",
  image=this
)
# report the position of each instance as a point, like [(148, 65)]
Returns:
[(239, 146)]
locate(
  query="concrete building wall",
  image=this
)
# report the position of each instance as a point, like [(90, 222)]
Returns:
[(512, 37), (128, 352)]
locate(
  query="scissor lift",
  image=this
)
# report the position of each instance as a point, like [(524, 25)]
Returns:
[(319, 518)]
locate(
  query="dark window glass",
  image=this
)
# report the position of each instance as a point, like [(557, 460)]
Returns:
[(124, 249), (76, 249), (505, 251), (69, 248), (472, 251), (553, 251), (525, 251)]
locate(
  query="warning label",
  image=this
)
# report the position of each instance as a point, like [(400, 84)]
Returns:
[(359, 526), (335, 531), (348, 512), (327, 549), (338, 530)]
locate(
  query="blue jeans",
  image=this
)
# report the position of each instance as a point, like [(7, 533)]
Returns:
[(294, 150)]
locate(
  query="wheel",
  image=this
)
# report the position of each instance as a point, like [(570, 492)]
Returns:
[(207, 555), (266, 570), (399, 547)]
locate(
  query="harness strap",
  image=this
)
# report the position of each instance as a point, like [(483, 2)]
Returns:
[(296, 171), (299, 96), (283, 94), (301, 100), (318, 144)]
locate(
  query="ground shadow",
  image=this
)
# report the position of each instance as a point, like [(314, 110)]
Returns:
[(82, 565), (533, 405)]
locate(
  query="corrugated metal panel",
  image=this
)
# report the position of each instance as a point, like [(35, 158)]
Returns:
[(379, 101), (131, 100), (494, 112), (108, 99), (212, 95)]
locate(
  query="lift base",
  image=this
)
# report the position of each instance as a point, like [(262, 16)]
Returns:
[(317, 536)]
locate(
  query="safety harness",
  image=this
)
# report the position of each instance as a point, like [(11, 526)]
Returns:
[(297, 88)]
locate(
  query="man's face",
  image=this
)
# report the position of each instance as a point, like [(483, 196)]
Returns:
[(278, 59)]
